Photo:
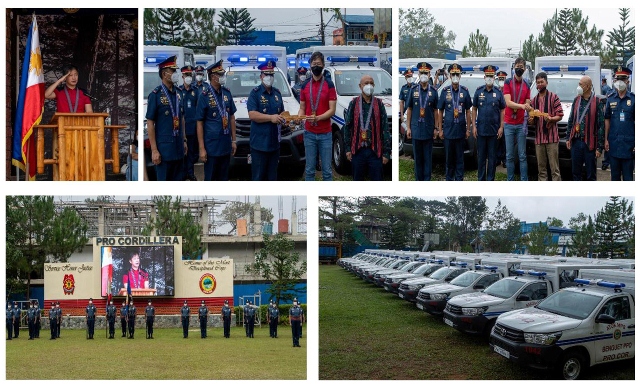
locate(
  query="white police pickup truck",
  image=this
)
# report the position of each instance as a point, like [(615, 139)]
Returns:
[(571, 330)]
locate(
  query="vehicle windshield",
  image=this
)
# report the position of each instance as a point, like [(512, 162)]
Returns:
[(347, 81), (423, 268), (151, 81), (565, 88), (572, 304), (240, 83), (470, 82), (441, 273), (466, 279), (416, 266), (504, 288)]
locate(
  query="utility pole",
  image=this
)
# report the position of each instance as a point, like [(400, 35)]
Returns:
[(322, 27)]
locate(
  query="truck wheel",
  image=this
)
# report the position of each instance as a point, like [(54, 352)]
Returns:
[(339, 159), (572, 365)]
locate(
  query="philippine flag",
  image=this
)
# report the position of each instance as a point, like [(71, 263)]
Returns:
[(107, 271), (30, 105)]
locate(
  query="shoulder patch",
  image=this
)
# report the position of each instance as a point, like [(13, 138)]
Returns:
[(156, 90), (479, 87), (464, 87), (256, 88)]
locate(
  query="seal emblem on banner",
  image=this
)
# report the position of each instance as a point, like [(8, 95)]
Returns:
[(207, 283), (68, 284)]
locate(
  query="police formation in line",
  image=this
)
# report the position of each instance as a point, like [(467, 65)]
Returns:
[(249, 312), (150, 316), (111, 319), (131, 319), (185, 315), (33, 320), (226, 319), (203, 316), (296, 319)]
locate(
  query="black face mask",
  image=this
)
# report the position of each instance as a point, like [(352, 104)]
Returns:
[(519, 71), (317, 70)]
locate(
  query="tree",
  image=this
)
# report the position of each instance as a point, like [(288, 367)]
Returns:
[(174, 220), (171, 25), (540, 242), (623, 38), (554, 222), (547, 38), (336, 217), (37, 233), (201, 32), (588, 40), (152, 25), (565, 32), (239, 25), (337, 13), (237, 210), (611, 235), (421, 36), (502, 233), (478, 45), (583, 242), (465, 215), (531, 49), (278, 262)]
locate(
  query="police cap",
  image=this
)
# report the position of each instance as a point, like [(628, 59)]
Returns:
[(186, 70), (407, 72), (268, 67), (455, 69), (302, 70), (489, 70), (501, 74), (170, 62), (424, 67), (216, 68), (621, 72)]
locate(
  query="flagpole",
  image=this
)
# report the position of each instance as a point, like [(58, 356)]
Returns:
[(26, 161)]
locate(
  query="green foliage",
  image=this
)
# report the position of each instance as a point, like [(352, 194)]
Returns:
[(278, 262), (171, 25), (152, 25), (336, 217), (238, 24), (174, 220), (36, 234), (531, 49), (565, 33), (478, 45), (584, 241), (464, 217), (554, 222), (502, 232), (540, 242), (201, 32), (236, 210), (623, 38), (421, 36), (611, 226)]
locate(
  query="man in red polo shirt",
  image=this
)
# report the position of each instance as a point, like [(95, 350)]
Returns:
[(516, 94), (318, 102), (69, 98)]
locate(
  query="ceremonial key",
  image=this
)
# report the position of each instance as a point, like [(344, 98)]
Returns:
[(578, 128), (176, 122), (225, 122), (422, 112), (455, 113)]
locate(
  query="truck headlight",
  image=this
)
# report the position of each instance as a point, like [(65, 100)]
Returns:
[(396, 280), (544, 339), (416, 287), (439, 296), (473, 311)]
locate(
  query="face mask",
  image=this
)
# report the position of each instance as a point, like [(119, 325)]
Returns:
[(268, 80), (222, 79), (199, 78), (441, 78), (519, 71), (302, 78), (541, 89), (188, 80), (424, 78), (620, 85), (579, 90), (455, 79), (409, 80), (175, 77), (500, 83), (488, 81), (317, 70), (367, 89)]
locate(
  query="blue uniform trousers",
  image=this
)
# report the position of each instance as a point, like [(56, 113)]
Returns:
[(191, 157), (364, 162), (217, 168), (580, 154), (422, 155), (227, 326), (9, 329), (264, 165), (454, 159), (487, 161), (123, 322), (295, 332), (91, 323), (203, 327), (622, 167), (53, 326), (169, 171), (185, 327)]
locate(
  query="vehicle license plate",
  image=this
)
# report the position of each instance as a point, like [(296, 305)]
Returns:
[(448, 322), (501, 351), (401, 295), (420, 306)]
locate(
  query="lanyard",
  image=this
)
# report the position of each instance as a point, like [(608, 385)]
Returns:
[(366, 125), (314, 106), (73, 109), (423, 102), (135, 277), (221, 107), (174, 111), (584, 112), (520, 91)]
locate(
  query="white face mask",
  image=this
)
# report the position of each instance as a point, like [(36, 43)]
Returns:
[(620, 85), (455, 79), (367, 89), (302, 78), (188, 80), (175, 77), (488, 81), (268, 80), (199, 78), (424, 78), (500, 83), (222, 79), (579, 90), (409, 80)]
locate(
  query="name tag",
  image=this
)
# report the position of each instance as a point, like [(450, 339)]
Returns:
[(622, 116)]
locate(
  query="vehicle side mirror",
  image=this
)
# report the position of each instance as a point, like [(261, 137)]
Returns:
[(606, 319), (478, 286), (523, 298)]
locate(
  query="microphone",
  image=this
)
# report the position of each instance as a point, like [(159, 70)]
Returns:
[(87, 94)]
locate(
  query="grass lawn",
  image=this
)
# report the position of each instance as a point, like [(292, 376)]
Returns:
[(368, 333), (167, 356), (406, 172)]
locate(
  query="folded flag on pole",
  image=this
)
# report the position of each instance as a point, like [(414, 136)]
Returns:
[(30, 105)]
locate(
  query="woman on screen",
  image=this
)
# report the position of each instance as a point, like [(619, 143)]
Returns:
[(136, 277)]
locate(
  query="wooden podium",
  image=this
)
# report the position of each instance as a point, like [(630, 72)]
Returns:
[(78, 150)]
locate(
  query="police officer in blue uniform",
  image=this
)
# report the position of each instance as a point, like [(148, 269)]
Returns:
[(501, 153), (245, 316), (185, 315), (487, 119), (90, 316), (16, 320), (265, 106), (404, 90), (454, 104), (203, 315), (59, 313), (422, 104), (31, 321), (37, 324), (123, 319), (296, 317), (9, 316), (150, 316), (164, 117), (251, 319), (190, 93), (131, 319), (216, 125), (302, 77), (111, 319), (200, 77), (226, 319), (274, 316), (619, 122), (53, 321)]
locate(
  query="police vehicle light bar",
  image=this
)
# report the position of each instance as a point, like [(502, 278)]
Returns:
[(477, 67), (538, 274), (600, 282), (292, 62), (491, 267), (437, 261), (478, 267), (519, 272), (403, 69), (156, 59), (461, 263), (347, 59), (565, 68), (238, 59)]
